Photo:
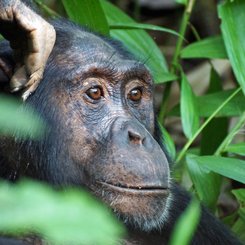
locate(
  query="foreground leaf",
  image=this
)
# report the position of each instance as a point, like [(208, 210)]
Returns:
[(138, 42), (232, 14), (228, 167), (14, 119), (189, 113), (186, 225), (88, 13), (69, 217)]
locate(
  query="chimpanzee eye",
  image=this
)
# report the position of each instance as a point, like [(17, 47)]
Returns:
[(135, 94), (95, 93)]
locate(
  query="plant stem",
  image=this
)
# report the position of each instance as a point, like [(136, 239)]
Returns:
[(175, 61), (230, 136), (188, 144)]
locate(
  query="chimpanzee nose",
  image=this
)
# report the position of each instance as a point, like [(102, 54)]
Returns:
[(135, 136)]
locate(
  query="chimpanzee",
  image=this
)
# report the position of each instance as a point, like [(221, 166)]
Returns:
[(97, 101)]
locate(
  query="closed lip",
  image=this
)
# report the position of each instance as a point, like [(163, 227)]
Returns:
[(135, 189)]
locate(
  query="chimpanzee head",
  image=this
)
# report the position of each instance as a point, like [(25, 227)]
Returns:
[(97, 101)]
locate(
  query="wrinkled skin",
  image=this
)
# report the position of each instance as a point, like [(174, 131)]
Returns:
[(102, 135), (32, 39)]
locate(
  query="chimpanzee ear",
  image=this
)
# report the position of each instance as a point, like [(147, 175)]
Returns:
[(6, 63)]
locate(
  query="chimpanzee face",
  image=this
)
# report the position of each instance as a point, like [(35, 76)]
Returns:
[(104, 126)]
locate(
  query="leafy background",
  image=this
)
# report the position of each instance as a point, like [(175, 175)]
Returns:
[(205, 119)]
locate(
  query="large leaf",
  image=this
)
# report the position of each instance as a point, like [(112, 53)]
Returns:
[(186, 225), (88, 13), (207, 104), (232, 14), (228, 167), (188, 109), (14, 119), (68, 217), (207, 185), (138, 42), (212, 48)]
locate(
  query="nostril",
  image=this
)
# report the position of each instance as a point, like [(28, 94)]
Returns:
[(134, 138)]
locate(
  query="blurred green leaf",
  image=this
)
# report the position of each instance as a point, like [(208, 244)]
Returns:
[(189, 113), (186, 225), (88, 13), (16, 120), (140, 26), (212, 48), (138, 42), (207, 185), (232, 16), (184, 2), (68, 217), (238, 148), (228, 167), (207, 104), (168, 142)]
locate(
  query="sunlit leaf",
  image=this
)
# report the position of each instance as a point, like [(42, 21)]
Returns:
[(188, 109), (14, 119), (207, 184), (186, 225), (88, 13), (229, 167), (212, 48), (68, 217), (232, 16), (184, 2), (138, 42)]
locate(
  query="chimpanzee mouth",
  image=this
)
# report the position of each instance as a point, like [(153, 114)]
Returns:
[(135, 189)]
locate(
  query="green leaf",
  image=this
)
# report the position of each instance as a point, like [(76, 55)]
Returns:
[(232, 16), (168, 142), (207, 104), (228, 167), (212, 48), (140, 26), (238, 148), (238, 229), (218, 126), (186, 225), (14, 119), (184, 2), (68, 217), (207, 185), (189, 113), (138, 42), (88, 13), (240, 196)]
